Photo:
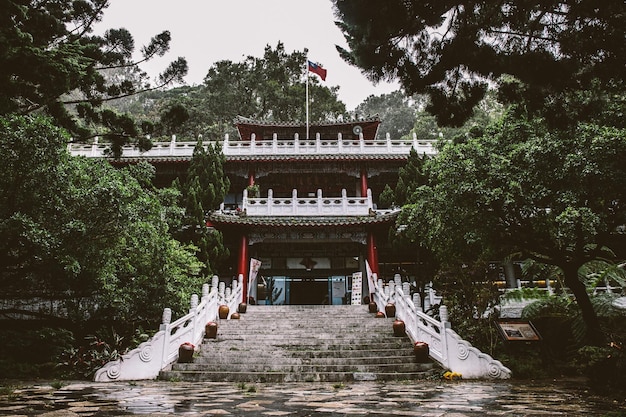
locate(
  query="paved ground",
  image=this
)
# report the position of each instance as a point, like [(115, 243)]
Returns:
[(428, 398)]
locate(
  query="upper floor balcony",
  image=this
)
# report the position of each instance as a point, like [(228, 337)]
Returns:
[(298, 206), (275, 146)]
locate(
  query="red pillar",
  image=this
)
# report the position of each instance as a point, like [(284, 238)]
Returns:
[(372, 252), (372, 258), (363, 182), (251, 177), (242, 267)]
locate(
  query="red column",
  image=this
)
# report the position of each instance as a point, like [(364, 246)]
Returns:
[(372, 252), (363, 182), (251, 177), (242, 267), (372, 258)]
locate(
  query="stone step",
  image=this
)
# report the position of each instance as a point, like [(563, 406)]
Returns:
[(388, 359), (303, 343), (313, 350), (304, 369), (279, 377), (298, 337), (358, 325)]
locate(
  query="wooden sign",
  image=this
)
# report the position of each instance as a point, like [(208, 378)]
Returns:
[(519, 330)]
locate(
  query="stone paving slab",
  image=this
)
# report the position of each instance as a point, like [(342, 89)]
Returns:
[(421, 398)]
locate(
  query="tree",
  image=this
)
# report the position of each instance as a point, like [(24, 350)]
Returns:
[(80, 231), (396, 111), (204, 190), (410, 177), (426, 127), (554, 196), (270, 87), (52, 63), (452, 50)]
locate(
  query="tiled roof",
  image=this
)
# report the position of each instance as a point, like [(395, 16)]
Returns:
[(218, 218), (313, 157), (265, 158), (248, 121), (153, 159)]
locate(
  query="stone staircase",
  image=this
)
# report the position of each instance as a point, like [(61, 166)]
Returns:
[(305, 344)]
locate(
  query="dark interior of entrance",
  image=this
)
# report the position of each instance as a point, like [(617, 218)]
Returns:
[(309, 291)]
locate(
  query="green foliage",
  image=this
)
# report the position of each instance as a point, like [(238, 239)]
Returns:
[(269, 87), (486, 111), (470, 298), (84, 361), (203, 191), (452, 50), (550, 195), (80, 231), (525, 293), (253, 190), (387, 197), (53, 63), (32, 352), (605, 366), (410, 177), (396, 110)]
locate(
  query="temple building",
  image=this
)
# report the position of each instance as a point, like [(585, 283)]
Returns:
[(302, 205)]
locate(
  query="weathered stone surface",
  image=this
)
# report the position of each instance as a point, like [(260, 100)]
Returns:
[(416, 398), (297, 343)]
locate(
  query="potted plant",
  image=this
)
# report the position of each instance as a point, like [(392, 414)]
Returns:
[(253, 191)]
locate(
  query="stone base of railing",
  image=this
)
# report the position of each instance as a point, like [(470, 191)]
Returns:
[(149, 358), (446, 347)]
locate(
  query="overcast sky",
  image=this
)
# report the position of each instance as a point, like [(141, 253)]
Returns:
[(207, 31)]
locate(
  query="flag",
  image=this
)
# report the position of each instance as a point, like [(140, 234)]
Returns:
[(317, 69)]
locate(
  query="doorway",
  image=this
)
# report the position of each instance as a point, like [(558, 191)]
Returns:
[(309, 291)]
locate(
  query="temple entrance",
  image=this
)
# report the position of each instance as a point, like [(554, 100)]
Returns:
[(279, 290), (309, 291)]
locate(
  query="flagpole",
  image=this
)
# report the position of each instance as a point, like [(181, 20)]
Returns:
[(306, 63)]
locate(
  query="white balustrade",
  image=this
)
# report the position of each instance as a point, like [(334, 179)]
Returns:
[(150, 357), (307, 206), (274, 146), (445, 346)]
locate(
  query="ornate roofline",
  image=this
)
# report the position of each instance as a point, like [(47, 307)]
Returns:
[(220, 218), (241, 120)]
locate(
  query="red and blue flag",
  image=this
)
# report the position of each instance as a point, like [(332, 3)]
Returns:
[(317, 69)]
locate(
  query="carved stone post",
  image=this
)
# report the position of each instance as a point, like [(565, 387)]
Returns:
[(165, 327), (417, 301), (205, 291)]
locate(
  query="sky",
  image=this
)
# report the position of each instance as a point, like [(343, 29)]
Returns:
[(207, 31)]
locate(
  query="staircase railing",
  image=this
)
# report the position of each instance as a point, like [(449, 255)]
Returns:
[(445, 346), (150, 357)]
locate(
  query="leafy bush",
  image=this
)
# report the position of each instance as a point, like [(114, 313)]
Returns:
[(84, 361), (32, 352), (605, 366)]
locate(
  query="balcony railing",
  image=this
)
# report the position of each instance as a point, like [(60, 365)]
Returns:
[(306, 206), (253, 147)]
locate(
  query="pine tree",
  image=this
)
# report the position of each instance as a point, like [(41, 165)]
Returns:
[(203, 191)]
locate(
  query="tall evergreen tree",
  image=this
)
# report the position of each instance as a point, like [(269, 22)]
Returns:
[(453, 49), (51, 62), (204, 190)]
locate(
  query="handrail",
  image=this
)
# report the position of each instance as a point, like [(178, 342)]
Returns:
[(150, 357), (445, 346), (307, 206), (296, 146)]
